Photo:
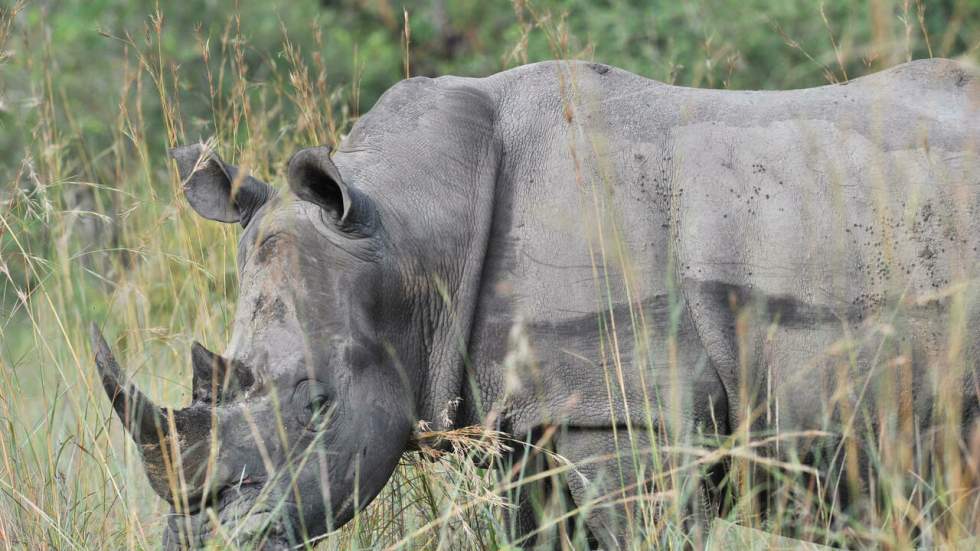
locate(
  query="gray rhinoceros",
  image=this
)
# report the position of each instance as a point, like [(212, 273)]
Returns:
[(569, 244)]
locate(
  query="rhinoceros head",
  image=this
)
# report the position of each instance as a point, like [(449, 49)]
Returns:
[(301, 421)]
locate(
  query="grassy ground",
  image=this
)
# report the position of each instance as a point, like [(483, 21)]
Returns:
[(93, 227)]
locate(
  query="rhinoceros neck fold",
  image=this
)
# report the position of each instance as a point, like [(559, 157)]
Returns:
[(428, 155)]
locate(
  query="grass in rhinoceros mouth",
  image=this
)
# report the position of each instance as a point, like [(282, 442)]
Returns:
[(95, 229)]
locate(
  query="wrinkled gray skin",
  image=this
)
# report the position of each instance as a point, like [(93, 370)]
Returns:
[(605, 220)]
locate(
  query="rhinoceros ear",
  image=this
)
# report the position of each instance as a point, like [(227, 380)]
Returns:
[(215, 189), (313, 177)]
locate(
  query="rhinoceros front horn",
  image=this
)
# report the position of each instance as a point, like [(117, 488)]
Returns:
[(143, 420), (150, 428)]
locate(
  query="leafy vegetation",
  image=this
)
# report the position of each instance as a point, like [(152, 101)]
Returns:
[(93, 227)]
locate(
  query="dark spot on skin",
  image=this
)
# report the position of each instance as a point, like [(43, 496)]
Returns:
[(926, 212), (961, 78), (599, 68), (259, 302), (279, 310)]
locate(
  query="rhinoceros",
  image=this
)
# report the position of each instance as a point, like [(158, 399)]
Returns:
[(567, 244)]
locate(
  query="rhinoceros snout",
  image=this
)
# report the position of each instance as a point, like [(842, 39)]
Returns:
[(266, 529)]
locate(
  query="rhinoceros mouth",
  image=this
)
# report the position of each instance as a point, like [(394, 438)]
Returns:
[(264, 529), (240, 516)]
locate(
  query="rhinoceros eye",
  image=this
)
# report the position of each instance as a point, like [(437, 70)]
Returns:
[(317, 407)]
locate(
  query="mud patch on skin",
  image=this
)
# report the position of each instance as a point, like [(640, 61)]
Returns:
[(960, 78), (276, 311), (599, 68), (259, 303)]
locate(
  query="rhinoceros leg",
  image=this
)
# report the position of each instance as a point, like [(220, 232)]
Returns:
[(541, 499), (620, 488), (594, 484)]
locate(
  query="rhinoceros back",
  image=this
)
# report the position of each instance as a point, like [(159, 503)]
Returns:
[(652, 244)]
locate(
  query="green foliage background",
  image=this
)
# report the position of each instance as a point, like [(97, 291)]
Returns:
[(705, 43)]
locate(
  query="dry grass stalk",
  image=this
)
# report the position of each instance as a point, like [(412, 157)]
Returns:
[(473, 441)]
